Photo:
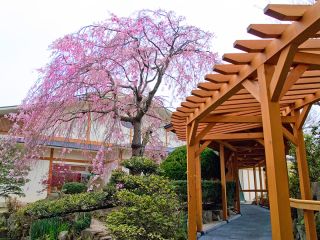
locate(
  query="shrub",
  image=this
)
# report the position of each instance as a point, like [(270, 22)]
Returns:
[(74, 187), (149, 209), (175, 165), (48, 228), (211, 191), (138, 165), (68, 204), (82, 221)]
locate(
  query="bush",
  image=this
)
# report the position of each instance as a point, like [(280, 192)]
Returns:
[(48, 228), (175, 165), (138, 165), (211, 191), (68, 204), (82, 221), (149, 209), (74, 187)]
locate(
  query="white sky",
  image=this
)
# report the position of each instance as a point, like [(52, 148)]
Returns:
[(27, 28)]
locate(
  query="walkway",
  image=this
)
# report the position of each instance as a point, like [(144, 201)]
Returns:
[(253, 224)]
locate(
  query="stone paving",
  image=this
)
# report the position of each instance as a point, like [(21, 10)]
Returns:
[(253, 224)]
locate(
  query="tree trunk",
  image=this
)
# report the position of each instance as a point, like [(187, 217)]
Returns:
[(136, 145)]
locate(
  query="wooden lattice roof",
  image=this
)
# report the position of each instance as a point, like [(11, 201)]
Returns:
[(228, 101)]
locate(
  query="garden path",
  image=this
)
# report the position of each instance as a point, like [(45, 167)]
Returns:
[(253, 224)]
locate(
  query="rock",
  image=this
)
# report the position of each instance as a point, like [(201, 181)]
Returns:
[(207, 216), (63, 235), (215, 217)]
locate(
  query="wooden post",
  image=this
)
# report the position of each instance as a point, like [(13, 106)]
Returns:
[(249, 184), (49, 189), (309, 220), (255, 185), (260, 181), (280, 211), (236, 179), (223, 183), (198, 190), (192, 201)]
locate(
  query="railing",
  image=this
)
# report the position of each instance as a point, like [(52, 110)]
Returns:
[(305, 204)]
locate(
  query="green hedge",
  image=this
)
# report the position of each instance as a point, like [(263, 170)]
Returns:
[(74, 187), (68, 204), (175, 165), (211, 191)]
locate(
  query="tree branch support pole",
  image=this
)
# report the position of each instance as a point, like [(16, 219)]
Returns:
[(194, 187), (49, 189), (223, 183), (278, 186), (304, 181)]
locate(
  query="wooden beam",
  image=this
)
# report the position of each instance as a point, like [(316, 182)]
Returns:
[(307, 58), (223, 183), (292, 78), (238, 208), (202, 147), (297, 32), (260, 182), (304, 181), (218, 78), (198, 191), (193, 132), (280, 212), (255, 185), (267, 30), (227, 145), (305, 204), (204, 131), (309, 99), (253, 88), (281, 71), (289, 135), (233, 136), (303, 116), (285, 12), (191, 177)]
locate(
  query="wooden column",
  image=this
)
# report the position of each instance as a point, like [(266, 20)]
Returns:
[(223, 183), (260, 181), (280, 212), (236, 178), (309, 220), (191, 177), (49, 189), (255, 185), (198, 191), (249, 184)]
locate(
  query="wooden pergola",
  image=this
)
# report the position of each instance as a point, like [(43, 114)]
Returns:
[(249, 109)]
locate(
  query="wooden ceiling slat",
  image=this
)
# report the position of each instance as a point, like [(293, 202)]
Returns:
[(208, 86), (251, 46), (227, 68), (189, 104), (267, 30), (285, 12), (217, 78), (238, 58), (196, 99), (201, 93)]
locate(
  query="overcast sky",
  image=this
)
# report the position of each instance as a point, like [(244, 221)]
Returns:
[(27, 28)]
